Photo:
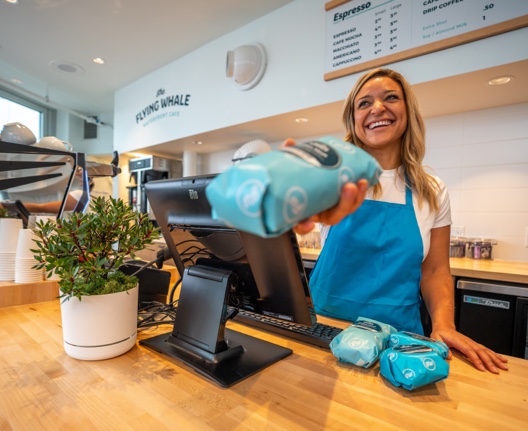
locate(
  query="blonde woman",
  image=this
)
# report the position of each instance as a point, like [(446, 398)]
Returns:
[(387, 247)]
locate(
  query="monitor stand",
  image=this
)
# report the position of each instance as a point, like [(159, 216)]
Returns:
[(199, 337)]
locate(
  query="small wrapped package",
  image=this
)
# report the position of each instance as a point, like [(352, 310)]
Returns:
[(403, 338), (362, 342), (268, 194), (412, 366)]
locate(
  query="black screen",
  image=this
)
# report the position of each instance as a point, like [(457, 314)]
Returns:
[(271, 275), (223, 267)]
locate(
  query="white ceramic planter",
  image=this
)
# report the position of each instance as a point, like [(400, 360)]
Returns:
[(101, 326)]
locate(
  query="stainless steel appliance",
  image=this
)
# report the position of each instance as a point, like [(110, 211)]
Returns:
[(494, 314), (142, 170)]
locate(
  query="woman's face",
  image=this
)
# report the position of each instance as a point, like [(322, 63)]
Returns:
[(380, 115)]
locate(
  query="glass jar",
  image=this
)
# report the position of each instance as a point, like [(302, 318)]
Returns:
[(480, 248), (457, 247)]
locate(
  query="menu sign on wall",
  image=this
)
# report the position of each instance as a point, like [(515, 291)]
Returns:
[(363, 34)]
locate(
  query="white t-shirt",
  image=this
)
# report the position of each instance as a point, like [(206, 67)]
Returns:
[(393, 191)]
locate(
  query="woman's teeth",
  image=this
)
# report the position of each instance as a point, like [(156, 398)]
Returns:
[(379, 123)]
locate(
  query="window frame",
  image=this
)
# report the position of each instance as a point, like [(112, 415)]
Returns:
[(48, 116)]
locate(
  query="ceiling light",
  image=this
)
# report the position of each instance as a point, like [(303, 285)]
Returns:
[(16, 81), (500, 80), (98, 60), (197, 142), (12, 1), (301, 120)]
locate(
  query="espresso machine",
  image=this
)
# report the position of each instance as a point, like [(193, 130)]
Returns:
[(142, 170)]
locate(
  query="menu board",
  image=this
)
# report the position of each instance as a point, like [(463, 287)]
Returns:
[(363, 34)]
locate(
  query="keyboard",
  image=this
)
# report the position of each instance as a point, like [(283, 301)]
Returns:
[(318, 335)]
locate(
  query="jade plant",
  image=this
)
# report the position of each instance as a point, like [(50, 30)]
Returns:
[(87, 249)]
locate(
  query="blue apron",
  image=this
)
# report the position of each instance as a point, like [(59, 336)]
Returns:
[(370, 266)]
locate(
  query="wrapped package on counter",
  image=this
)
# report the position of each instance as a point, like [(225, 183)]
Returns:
[(268, 194), (412, 366), (404, 338), (362, 342)]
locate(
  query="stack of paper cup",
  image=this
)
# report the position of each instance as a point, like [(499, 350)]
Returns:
[(25, 258), (9, 231)]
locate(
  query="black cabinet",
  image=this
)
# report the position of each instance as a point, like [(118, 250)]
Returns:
[(493, 314)]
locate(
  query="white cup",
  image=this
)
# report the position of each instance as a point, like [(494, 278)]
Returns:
[(17, 133), (33, 219), (51, 143), (45, 218), (9, 232), (26, 242)]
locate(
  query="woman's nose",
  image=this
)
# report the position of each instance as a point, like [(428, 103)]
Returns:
[(378, 105)]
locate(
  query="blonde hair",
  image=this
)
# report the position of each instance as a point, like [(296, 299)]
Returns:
[(413, 138)]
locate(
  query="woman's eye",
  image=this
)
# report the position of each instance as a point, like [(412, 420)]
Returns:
[(362, 104)]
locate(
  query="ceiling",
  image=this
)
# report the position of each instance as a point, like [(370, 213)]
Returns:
[(49, 46)]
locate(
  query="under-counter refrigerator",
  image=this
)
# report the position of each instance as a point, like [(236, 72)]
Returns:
[(494, 314)]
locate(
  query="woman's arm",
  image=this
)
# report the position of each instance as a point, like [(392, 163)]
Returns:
[(438, 293), (51, 207)]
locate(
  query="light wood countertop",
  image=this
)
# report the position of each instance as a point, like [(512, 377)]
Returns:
[(12, 293), (44, 389), (495, 269)]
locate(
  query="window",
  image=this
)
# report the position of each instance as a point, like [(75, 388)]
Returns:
[(39, 119)]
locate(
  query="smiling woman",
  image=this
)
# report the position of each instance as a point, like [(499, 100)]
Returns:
[(384, 258)]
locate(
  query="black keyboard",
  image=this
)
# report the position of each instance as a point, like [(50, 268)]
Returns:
[(318, 335)]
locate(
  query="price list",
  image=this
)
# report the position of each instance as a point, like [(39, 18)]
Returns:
[(365, 32), (436, 20)]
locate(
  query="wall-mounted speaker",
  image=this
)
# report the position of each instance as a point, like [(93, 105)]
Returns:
[(90, 130)]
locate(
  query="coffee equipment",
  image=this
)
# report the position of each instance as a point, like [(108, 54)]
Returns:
[(142, 170)]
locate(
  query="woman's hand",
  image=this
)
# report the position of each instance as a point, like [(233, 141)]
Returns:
[(352, 196), (480, 356)]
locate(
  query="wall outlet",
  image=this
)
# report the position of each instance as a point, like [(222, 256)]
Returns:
[(458, 230)]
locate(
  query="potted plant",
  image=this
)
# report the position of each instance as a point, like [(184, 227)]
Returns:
[(99, 303)]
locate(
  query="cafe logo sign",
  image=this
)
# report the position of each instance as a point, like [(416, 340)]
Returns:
[(163, 106)]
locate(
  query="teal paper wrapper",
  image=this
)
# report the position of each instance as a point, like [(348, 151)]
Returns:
[(404, 338), (412, 366), (270, 193), (362, 342)]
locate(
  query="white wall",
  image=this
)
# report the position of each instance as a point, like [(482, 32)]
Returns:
[(102, 145), (294, 38), (483, 158), (482, 155)]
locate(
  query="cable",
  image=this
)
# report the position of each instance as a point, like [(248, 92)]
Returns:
[(155, 314), (145, 266), (173, 290)]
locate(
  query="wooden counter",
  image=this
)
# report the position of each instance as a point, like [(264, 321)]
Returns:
[(44, 389), (496, 269), (12, 293), (499, 270)]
